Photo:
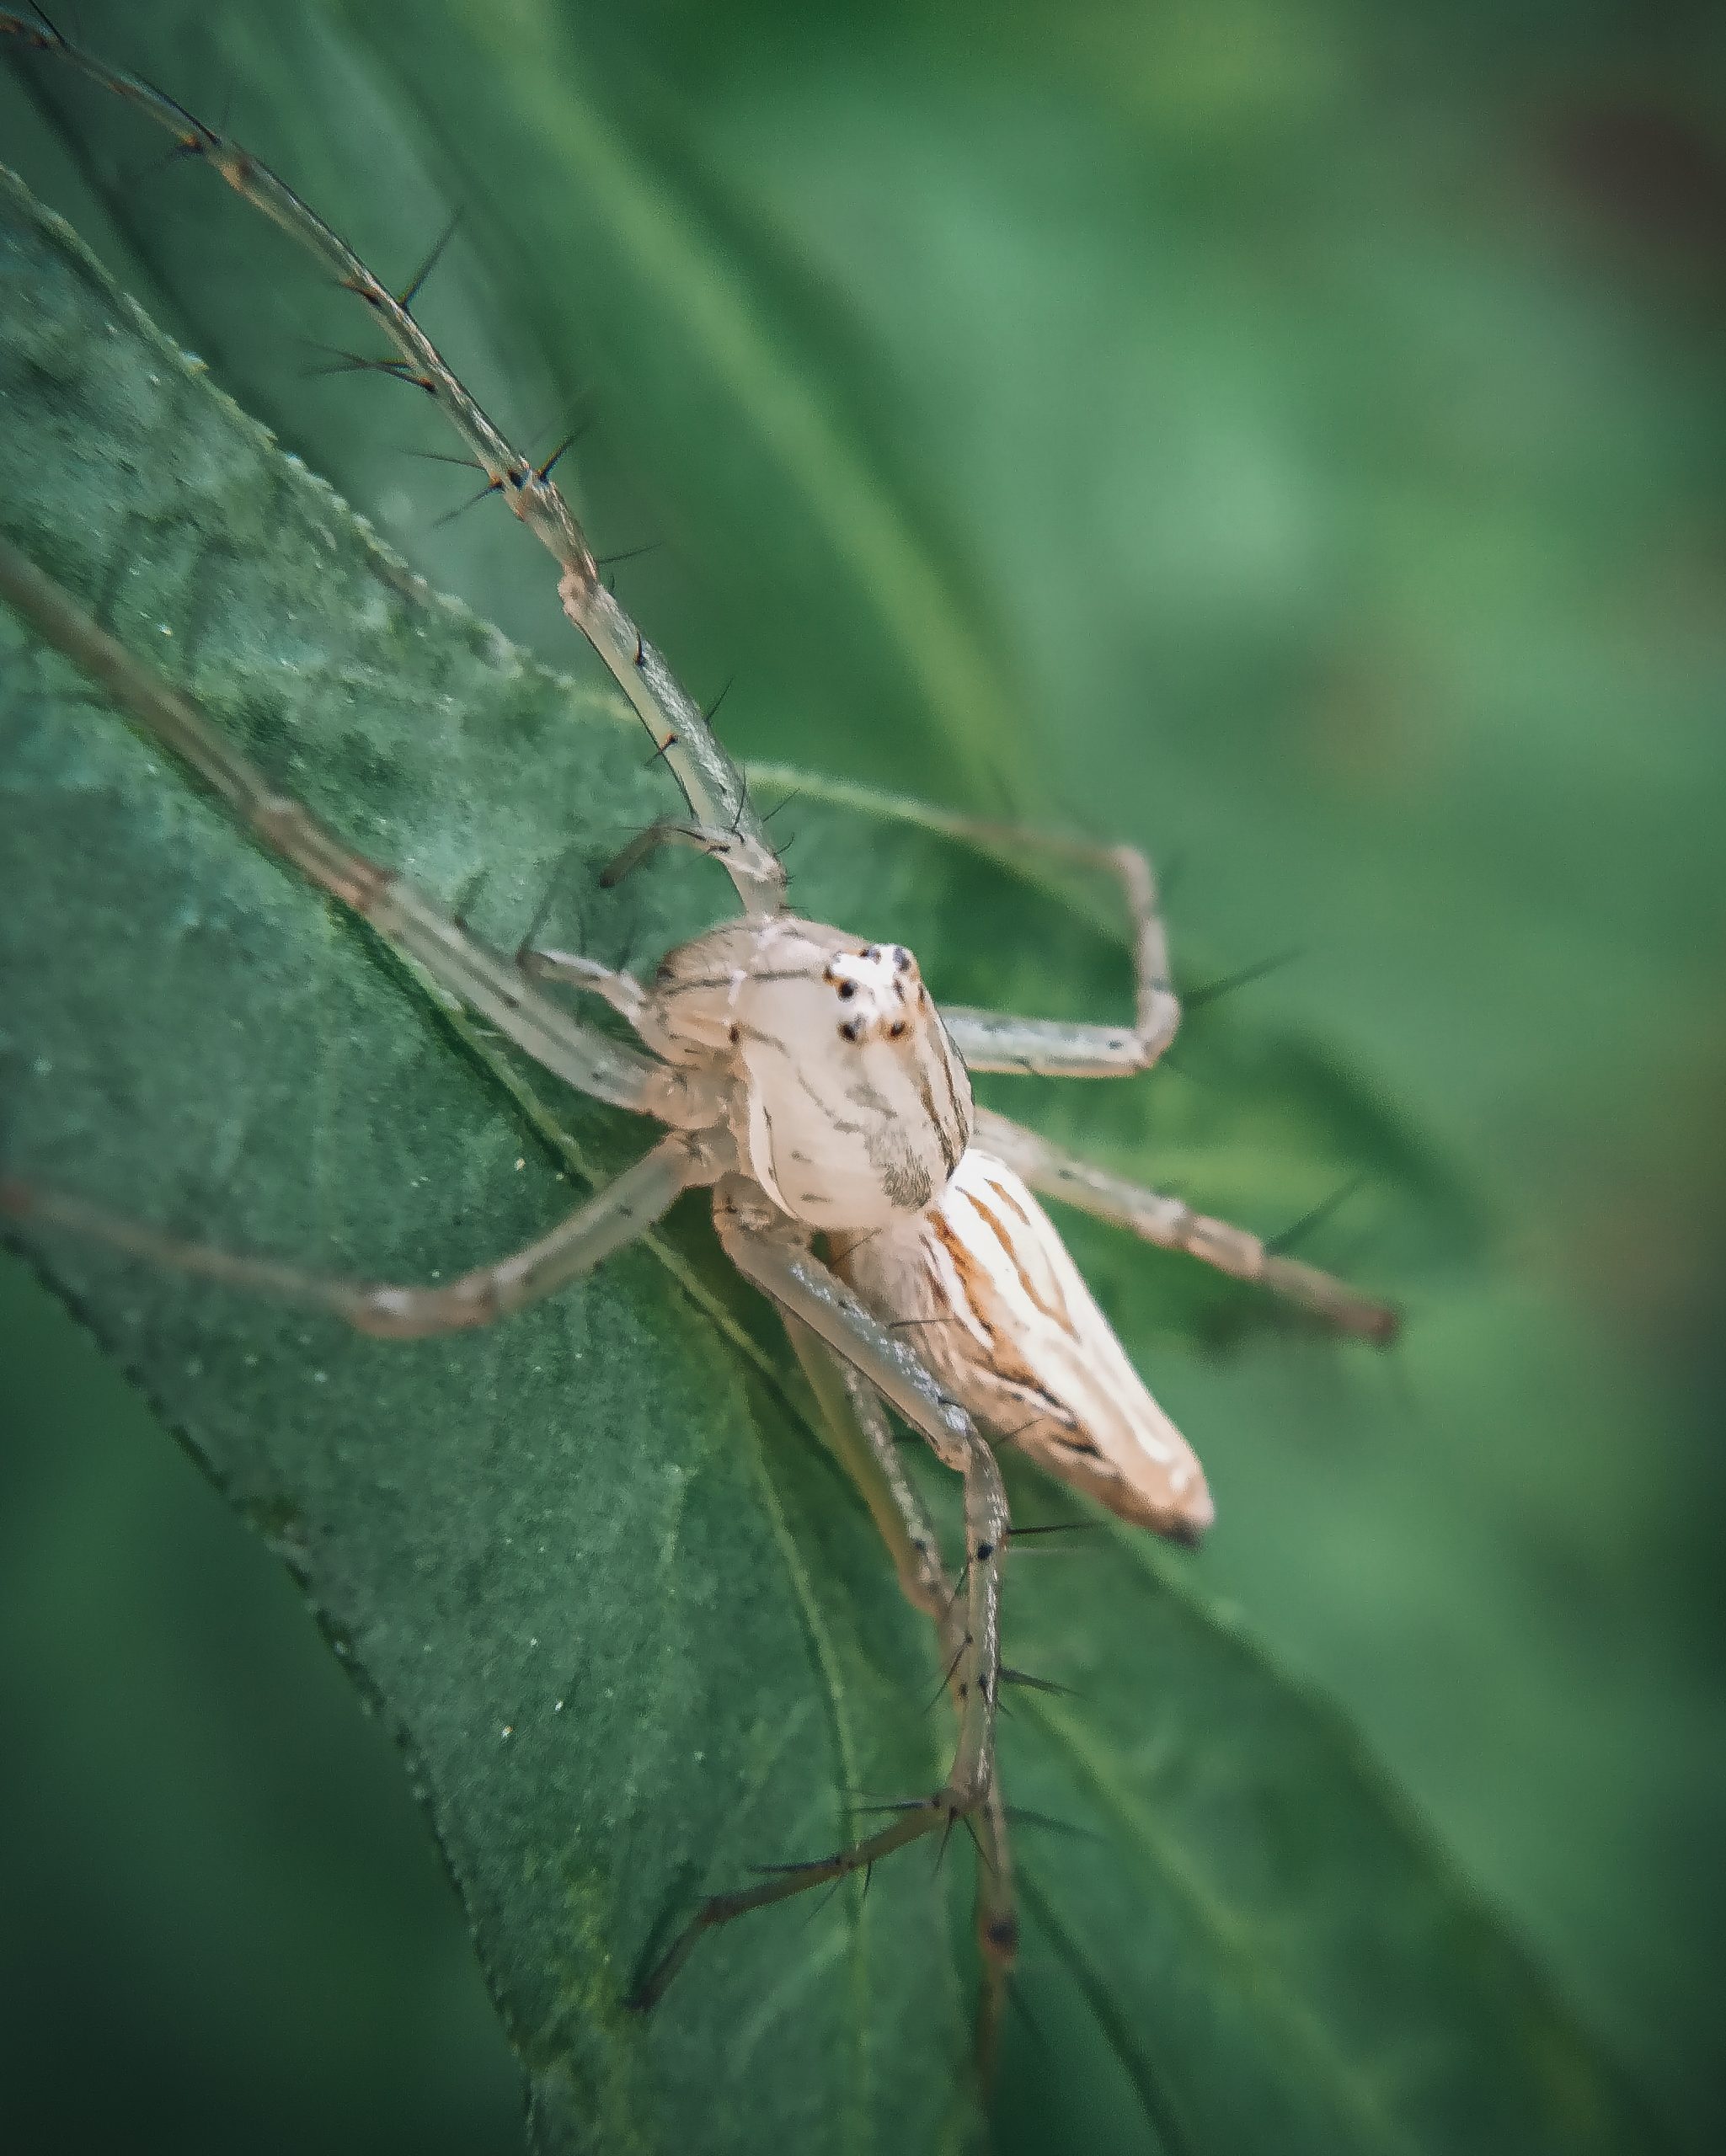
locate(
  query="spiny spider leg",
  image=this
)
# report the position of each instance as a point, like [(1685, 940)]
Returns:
[(767, 1249), (712, 784), (1173, 1226), (422, 932), (624, 1210), (999, 1040), (915, 1550), (858, 1430)]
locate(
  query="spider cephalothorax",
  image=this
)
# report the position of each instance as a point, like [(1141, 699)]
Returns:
[(850, 1106)]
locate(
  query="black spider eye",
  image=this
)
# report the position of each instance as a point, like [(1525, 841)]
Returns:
[(851, 1028), (896, 1028), (847, 988)]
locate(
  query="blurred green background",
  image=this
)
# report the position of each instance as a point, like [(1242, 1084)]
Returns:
[(1314, 415)]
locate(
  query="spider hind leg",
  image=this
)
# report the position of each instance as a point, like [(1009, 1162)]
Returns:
[(773, 1256)]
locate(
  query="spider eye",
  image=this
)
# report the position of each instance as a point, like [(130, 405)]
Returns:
[(901, 959), (847, 988), (896, 1028), (851, 1028)]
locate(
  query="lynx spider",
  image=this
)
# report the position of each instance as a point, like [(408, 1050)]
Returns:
[(806, 1077)]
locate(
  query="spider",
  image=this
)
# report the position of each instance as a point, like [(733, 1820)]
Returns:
[(806, 1077)]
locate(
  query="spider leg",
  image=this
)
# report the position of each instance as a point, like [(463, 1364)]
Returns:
[(425, 933), (857, 1431), (624, 1210), (787, 1272), (1173, 1226), (711, 783), (997, 1040), (859, 1435), (996, 1922)]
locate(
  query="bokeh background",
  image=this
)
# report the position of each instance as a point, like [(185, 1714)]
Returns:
[(1315, 414)]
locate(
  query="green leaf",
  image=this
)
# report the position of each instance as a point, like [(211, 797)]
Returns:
[(593, 1568)]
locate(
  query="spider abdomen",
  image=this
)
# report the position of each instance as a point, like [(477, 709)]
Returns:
[(1004, 1318)]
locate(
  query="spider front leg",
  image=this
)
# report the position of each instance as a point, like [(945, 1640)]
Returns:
[(627, 1208), (1173, 1226), (857, 1431), (711, 783), (426, 934), (774, 1255)]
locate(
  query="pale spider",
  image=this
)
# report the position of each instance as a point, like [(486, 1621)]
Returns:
[(806, 1076)]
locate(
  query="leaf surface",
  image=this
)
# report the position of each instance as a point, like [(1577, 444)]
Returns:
[(593, 1567)]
